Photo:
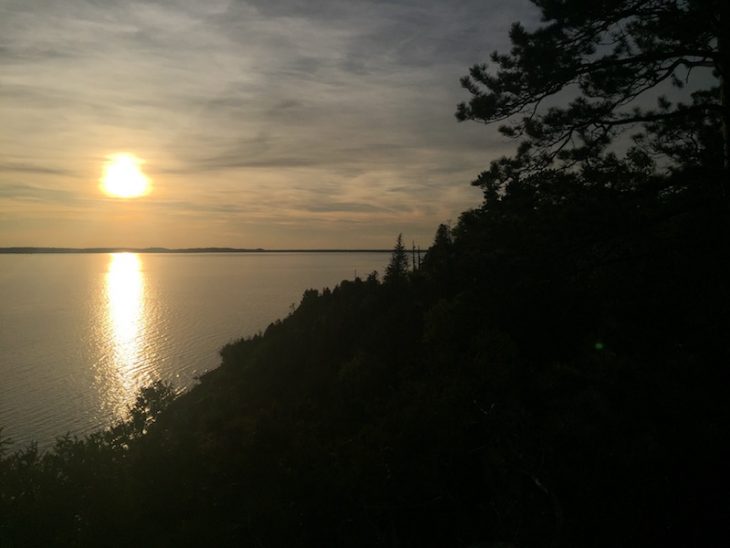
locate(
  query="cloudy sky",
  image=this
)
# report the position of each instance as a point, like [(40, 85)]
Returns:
[(277, 124)]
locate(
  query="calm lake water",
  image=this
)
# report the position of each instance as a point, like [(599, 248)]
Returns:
[(81, 333)]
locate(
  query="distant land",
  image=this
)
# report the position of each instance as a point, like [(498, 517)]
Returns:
[(20, 250)]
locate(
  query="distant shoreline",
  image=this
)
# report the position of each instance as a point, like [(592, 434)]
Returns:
[(34, 250)]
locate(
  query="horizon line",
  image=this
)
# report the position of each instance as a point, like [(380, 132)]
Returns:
[(123, 249)]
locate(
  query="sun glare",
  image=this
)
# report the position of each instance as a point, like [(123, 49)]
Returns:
[(123, 177)]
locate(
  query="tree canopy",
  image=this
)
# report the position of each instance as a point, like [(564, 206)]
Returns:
[(609, 59)]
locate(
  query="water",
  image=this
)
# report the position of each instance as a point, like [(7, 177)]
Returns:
[(81, 333)]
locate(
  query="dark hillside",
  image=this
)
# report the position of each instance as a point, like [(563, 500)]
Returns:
[(559, 380)]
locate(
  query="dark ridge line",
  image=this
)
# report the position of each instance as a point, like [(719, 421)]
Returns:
[(58, 250)]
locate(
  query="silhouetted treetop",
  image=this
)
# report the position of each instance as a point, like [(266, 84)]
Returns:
[(612, 53), (439, 256), (398, 267)]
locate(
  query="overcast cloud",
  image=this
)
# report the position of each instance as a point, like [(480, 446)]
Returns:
[(261, 123)]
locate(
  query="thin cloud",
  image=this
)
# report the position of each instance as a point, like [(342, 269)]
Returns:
[(351, 102), (34, 193), (19, 167)]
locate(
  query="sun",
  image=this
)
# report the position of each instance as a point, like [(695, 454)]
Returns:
[(123, 177)]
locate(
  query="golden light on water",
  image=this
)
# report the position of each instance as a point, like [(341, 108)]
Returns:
[(125, 299), (123, 177)]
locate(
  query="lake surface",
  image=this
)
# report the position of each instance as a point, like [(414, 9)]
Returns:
[(81, 333)]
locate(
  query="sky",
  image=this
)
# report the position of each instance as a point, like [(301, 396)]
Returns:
[(275, 124)]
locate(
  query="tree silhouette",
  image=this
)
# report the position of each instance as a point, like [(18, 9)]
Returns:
[(615, 54), (398, 268), (439, 259)]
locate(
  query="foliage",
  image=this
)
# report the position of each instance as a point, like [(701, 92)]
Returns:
[(397, 269), (79, 491), (608, 58)]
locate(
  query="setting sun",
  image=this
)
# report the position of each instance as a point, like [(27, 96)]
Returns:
[(123, 177)]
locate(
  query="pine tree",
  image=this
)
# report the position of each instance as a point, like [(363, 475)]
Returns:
[(618, 56), (397, 270)]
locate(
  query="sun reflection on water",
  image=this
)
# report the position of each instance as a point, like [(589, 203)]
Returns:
[(126, 324)]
